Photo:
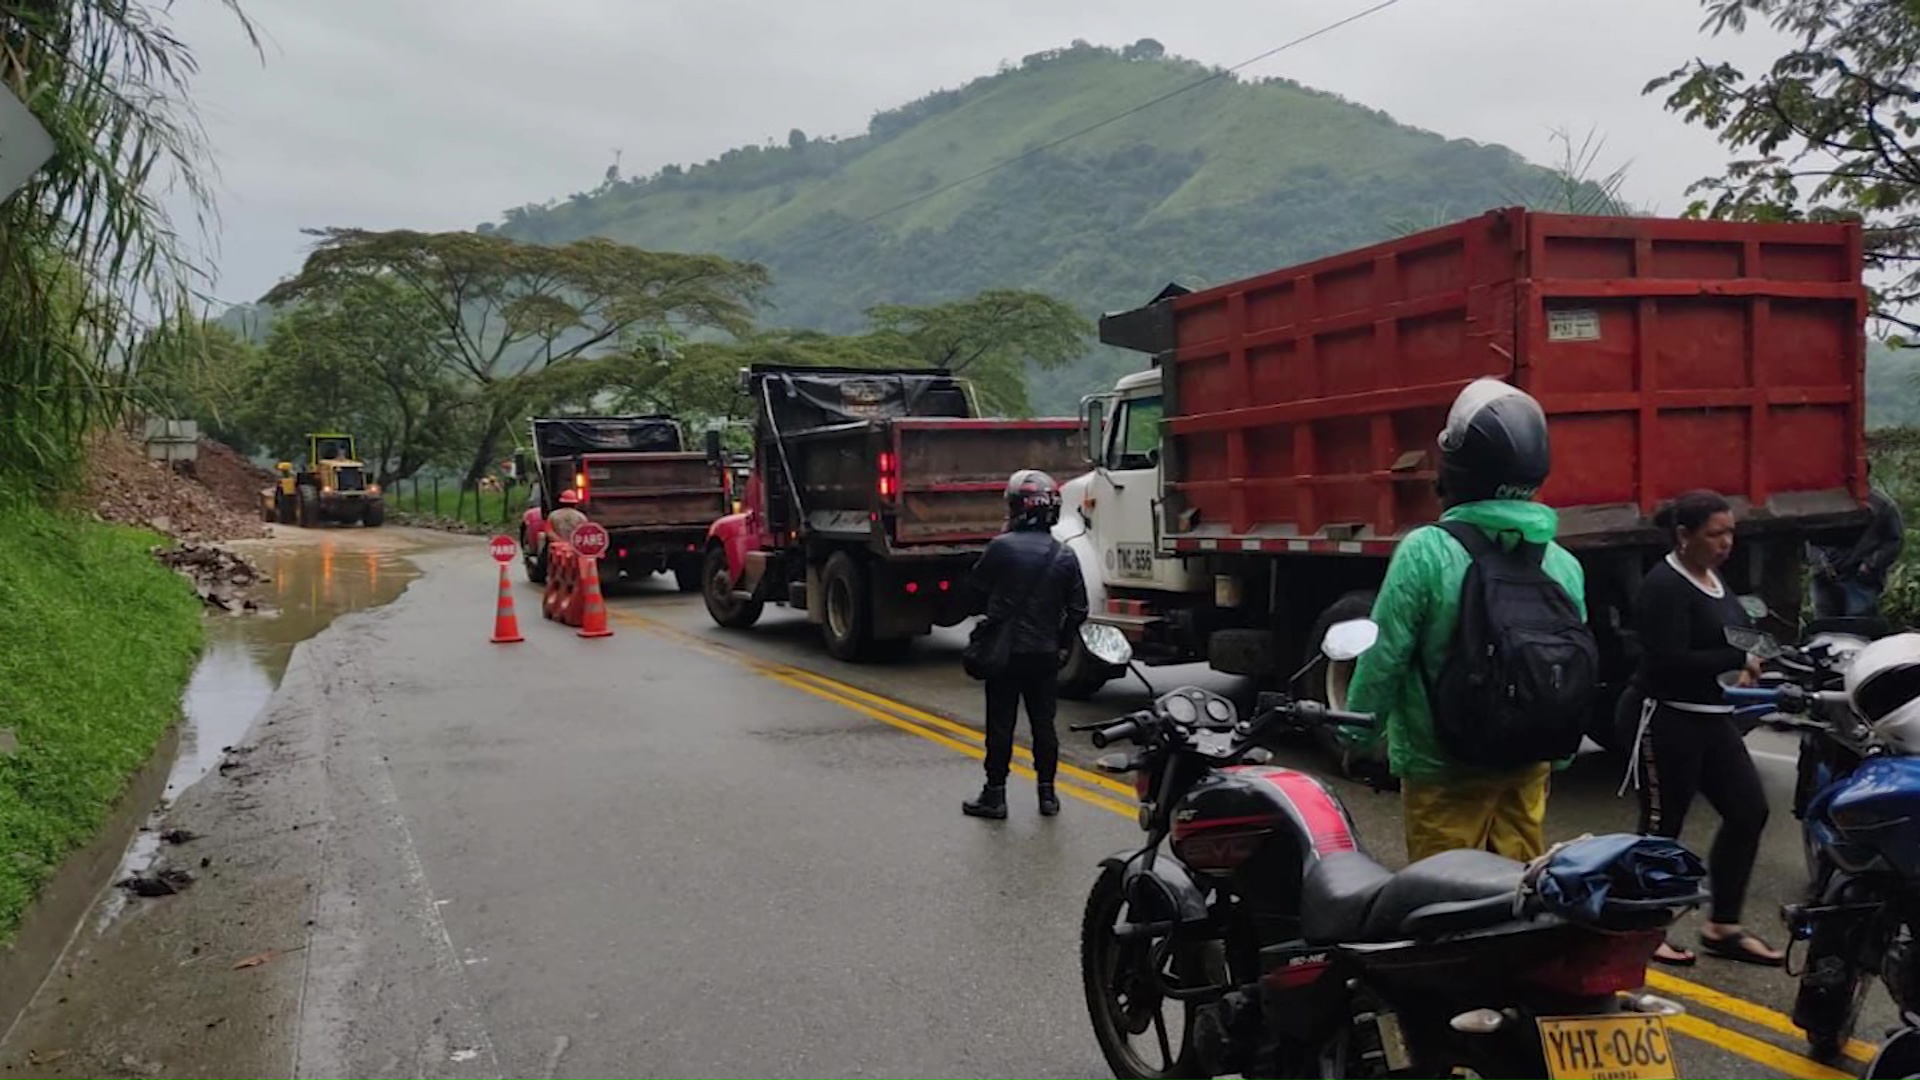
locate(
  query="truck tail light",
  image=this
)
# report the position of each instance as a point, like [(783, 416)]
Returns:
[(889, 477), (912, 587), (580, 485)]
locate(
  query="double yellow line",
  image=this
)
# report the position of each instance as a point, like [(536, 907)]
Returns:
[(1118, 797)]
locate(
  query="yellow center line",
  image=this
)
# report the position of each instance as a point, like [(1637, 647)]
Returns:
[(942, 731), (1746, 1046), (1741, 1008)]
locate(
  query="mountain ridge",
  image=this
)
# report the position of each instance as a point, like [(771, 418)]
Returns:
[(1224, 177)]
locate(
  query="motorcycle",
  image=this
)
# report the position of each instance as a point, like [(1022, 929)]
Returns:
[(1252, 914), (1861, 829)]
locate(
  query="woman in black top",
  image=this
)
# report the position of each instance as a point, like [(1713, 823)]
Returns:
[(1688, 743)]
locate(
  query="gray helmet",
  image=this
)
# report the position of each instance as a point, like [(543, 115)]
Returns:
[(1494, 445), (1033, 501)]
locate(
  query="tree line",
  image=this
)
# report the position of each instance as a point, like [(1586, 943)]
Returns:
[(435, 348)]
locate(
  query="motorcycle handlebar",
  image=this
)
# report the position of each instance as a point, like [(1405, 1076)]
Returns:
[(1755, 695), (1114, 733)]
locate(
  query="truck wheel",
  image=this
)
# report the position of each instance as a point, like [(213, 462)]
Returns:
[(1084, 674), (375, 515), (535, 562), (717, 587), (686, 574), (1328, 682), (848, 626)]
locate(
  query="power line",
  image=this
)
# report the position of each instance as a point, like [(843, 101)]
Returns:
[(1097, 125)]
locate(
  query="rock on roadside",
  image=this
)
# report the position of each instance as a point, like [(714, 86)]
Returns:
[(222, 577)]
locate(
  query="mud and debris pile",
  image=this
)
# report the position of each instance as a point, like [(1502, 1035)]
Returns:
[(232, 478), (222, 577), (123, 486)]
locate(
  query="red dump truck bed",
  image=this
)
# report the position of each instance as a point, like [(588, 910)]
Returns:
[(1302, 404)]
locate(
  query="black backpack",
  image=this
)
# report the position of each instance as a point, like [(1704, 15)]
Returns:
[(1518, 686)]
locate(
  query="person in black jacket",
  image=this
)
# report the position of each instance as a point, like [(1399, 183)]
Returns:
[(1031, 584), (1686, 743), (1849, 580)]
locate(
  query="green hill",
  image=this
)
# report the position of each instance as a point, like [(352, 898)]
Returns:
[(1228, 179)]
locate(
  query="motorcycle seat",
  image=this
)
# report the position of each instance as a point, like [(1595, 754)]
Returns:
[(1347, 897)]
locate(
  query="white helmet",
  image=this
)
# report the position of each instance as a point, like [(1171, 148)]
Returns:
[(1883, 683)]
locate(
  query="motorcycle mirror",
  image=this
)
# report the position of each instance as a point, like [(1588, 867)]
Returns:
[(1754, 642), (1347, 640), (1755, 607), (1106, 643)]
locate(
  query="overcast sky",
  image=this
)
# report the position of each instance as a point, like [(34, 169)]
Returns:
[(439, 115)]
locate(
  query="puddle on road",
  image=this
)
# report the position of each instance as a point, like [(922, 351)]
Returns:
[(311, 581), (247, 654)]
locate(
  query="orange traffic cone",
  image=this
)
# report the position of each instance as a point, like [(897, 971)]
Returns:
[(506, 626), (593, 611), (550, 600)]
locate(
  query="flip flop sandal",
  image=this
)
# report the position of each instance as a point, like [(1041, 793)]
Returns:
[(1685, 959), (1733, 947)]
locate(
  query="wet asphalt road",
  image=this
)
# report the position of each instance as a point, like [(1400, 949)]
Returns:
[(691, 851)]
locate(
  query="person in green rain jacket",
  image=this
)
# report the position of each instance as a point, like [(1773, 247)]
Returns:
[(1494, 458)]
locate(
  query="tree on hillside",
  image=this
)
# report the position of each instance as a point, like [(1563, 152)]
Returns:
[(87, 243), (992, 338), (505, 309), (1826, 133)]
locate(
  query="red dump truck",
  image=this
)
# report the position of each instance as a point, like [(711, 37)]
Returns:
[(872, 493), (634, 476), (1249, 489)]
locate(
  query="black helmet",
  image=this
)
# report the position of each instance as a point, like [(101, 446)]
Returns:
[(1494, 445), (1033, 501)]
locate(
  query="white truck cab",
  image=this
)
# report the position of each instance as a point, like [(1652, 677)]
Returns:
[(1110, 517)]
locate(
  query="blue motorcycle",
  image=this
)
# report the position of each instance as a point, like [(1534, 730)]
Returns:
[(1859, 807)]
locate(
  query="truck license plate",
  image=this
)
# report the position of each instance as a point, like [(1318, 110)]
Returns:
[(1132, 560), (1620, 1046)]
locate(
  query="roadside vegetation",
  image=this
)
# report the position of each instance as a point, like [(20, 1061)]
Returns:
[(101, 642), (100, 638)]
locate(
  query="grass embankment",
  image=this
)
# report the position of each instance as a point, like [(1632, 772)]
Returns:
[(97, 641), (1896, 468)]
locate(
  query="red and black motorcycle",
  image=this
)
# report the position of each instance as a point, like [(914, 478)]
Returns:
[(1267, 943)]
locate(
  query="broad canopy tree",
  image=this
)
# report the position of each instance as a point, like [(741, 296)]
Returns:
[(506, 309)]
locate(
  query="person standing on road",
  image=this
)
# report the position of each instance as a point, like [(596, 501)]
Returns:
[(1848, 581), (1032, 591), (1494, 458), (1687, 742), (567, 517)]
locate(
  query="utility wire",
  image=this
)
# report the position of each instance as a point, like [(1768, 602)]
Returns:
[(1098, 124)]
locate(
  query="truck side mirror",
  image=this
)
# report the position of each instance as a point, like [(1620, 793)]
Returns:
[(716, 453), (1093, 410)]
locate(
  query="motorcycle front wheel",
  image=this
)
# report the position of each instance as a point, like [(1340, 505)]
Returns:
[(1122, 1001)]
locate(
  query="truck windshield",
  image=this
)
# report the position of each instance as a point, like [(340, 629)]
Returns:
[(1137, 442)]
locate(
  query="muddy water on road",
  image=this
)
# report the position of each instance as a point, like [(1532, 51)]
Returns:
[(311, 582), (313, 577)]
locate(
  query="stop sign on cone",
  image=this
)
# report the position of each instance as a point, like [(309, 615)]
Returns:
[(591, 540), (502, 549)]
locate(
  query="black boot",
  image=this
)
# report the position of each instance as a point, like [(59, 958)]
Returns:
[(1049, 802), (992, 803)]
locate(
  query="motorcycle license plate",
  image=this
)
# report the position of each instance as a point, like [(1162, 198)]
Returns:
[(1618, 1046)]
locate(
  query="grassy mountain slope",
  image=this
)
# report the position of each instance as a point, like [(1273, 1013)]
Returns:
[(1228, 179)]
